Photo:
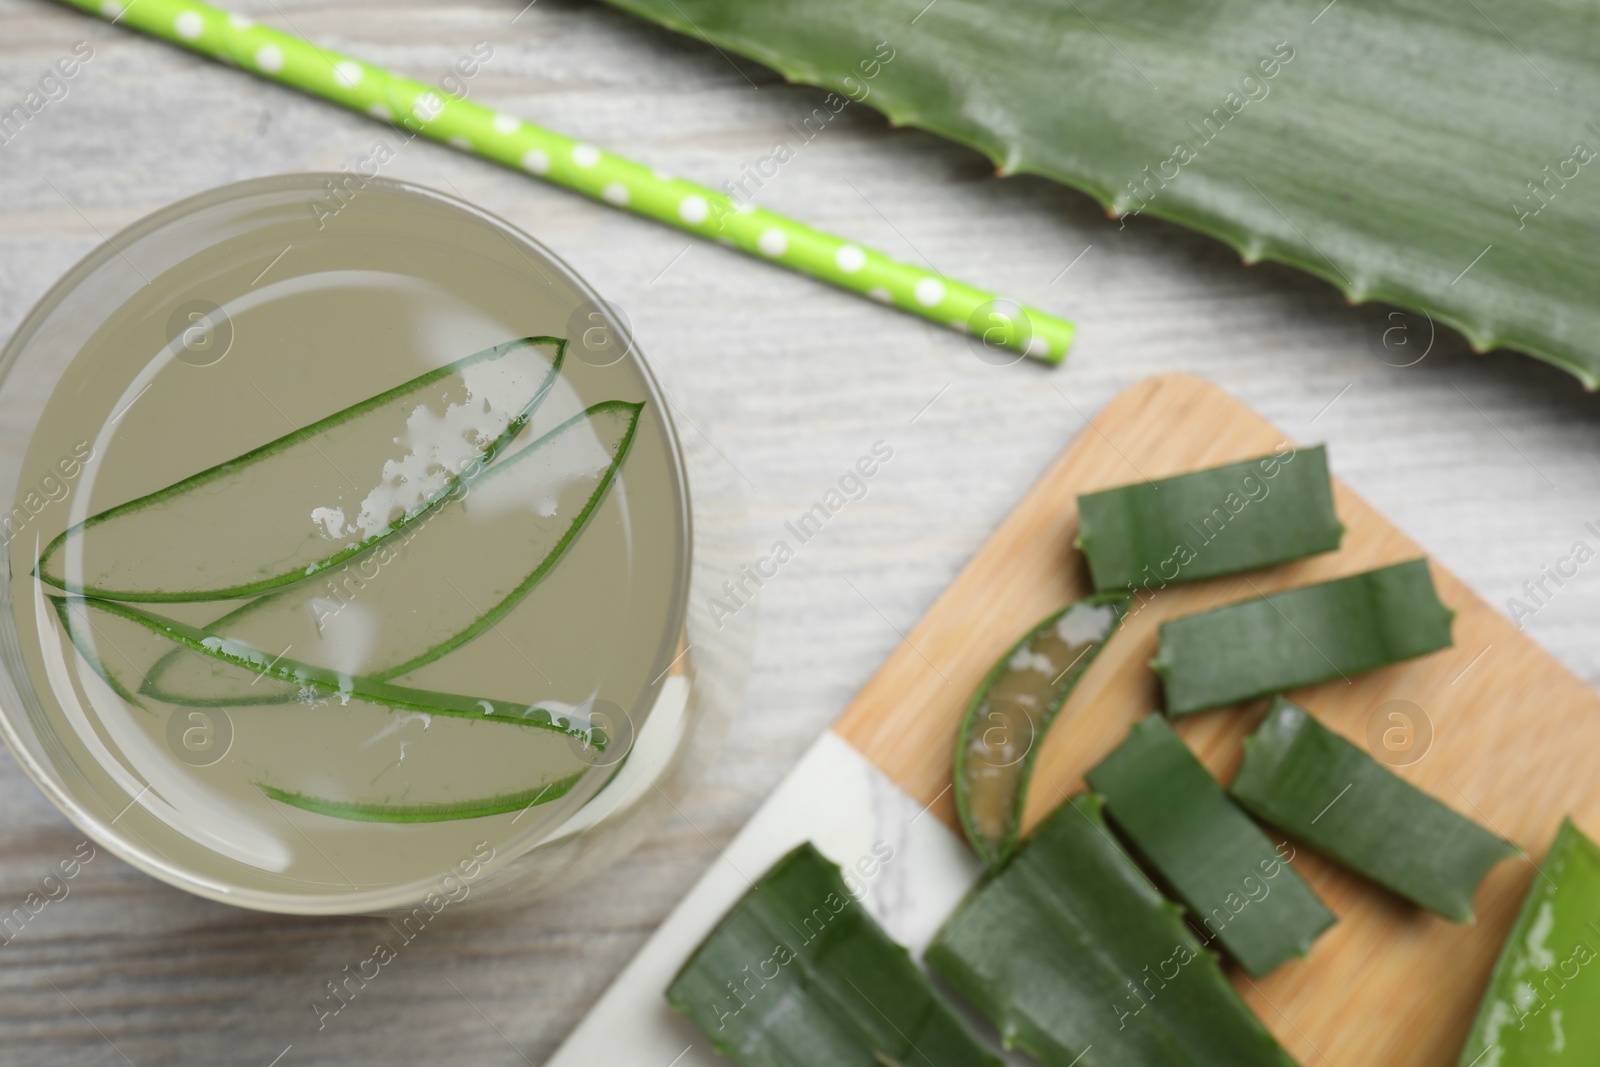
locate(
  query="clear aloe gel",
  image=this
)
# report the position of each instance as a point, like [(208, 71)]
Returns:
[(376, 560)]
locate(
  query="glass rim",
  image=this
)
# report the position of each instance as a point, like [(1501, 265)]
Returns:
[(102, 832)]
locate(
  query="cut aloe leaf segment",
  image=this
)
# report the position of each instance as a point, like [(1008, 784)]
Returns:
[(314, 497), (1228, 519), (1539, 1009), (1317, 787), (798, 973), (361, 811), (1300, 637), (1078, 960), (1005, 723), (104, 632), (527, 510), (1240, 890)]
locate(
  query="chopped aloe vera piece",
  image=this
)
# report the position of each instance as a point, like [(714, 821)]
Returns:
[(1301, 637), (1238, 517), (1238, 887), (103, 631), (359, 811), (1080, 961), (526, 510), (1539, 1010), (1006, 721), (314, 497), (799, 974), (1315, 786)]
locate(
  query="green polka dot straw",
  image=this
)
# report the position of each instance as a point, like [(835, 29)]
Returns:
[(587, 169)]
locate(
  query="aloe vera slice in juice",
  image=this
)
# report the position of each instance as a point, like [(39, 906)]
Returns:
[(527, 510), (104, 632), (1315, 786), (362, 811), (798, 973), (1238, 887), (1301, 637), (117, 639), (1005, 723), (1079, 961), (314, 497), (1539, 1009), (1237, 517)]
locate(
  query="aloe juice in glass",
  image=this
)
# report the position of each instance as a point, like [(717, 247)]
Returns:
[(347, 549)]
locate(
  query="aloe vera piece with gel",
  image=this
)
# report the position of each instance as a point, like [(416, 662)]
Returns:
[(1005, 723), (1318, 788), (1237, 517), (1238, 886), (1299, 637), (1080, 962), (1539, 1009), (798, 973)]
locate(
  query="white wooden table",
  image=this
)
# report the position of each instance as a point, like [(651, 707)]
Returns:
[(1488, 461)]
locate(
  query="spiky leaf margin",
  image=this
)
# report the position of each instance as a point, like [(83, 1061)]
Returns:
[(1391, 152)]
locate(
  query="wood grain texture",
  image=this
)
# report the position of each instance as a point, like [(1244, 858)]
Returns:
[(1512, 728)]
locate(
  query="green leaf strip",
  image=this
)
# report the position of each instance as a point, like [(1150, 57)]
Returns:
[(1081, 963), (1300, 637), (159, 524), (1539, 1009), (1239, 889), (1005, 723), (1315, 786), (80, 616), (361, 811), (419, 571), (1238, 517), (799, 973)]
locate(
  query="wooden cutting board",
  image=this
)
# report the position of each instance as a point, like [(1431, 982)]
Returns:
[(1514, 733)]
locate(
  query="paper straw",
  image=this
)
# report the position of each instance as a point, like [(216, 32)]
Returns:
[(584, 168)]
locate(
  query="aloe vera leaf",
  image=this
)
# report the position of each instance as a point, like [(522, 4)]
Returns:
[(1238, 517), (1539, 1009), (1237, 886), (527, 510), (1301, 637), (798, 973), (1080, 961), (1410, 153), (1008, 716), (93, 625), (122, 659), (1318, 788), (362, 811), (314, 497)]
